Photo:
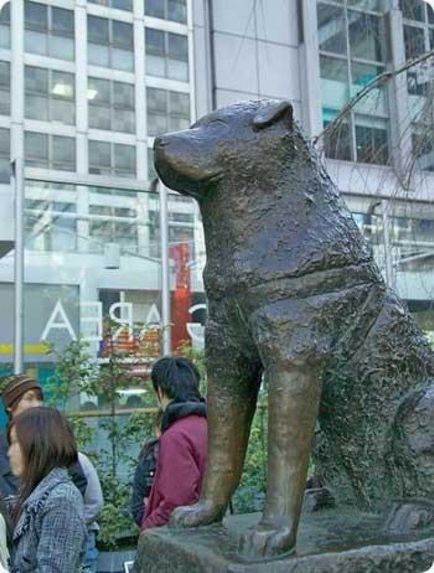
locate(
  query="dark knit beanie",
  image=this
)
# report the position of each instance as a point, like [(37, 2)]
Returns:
[(17, 386)]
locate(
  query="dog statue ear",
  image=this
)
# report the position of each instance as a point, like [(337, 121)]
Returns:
[(272, 112)]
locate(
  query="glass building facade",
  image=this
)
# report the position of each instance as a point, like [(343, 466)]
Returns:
[(86, 86)]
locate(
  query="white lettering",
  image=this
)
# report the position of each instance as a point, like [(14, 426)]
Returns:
[(91, 324), (125, 318), (62, 325)]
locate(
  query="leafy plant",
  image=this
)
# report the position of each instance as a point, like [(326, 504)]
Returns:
[(76, 373)]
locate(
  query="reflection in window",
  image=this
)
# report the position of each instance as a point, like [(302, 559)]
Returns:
[(175, 10), (419, 39), (353, 43), (49, 95), (110, 43), (49, 151), (4, 155), (166, 55), (111, 105), (50, 225), (49, 31), (414, 39), (5, 27), (371, 141), (110, 224), (5, 88), (413, 10), (112, 159), (167, 111), (366, 35), (423, 146), (331, 29), (338, 142)]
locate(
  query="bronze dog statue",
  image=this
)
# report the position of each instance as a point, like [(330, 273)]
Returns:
[(293, 293)]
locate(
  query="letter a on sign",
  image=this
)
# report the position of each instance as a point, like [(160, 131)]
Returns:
[(62, 324)]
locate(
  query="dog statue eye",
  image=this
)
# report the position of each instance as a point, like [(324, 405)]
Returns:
[(217, 123)]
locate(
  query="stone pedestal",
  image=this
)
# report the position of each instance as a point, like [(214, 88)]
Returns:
[(329, 541)]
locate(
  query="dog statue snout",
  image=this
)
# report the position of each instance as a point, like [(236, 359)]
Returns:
[(160, 142)]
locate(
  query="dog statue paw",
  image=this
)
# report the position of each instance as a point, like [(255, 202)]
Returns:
[(202, 513), (267, 540)]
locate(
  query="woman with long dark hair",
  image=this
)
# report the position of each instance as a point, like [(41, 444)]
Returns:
[(50, 531)]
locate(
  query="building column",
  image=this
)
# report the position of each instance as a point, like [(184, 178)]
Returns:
[(310, 81), (400, 128)]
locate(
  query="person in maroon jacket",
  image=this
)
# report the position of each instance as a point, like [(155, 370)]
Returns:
[(183, 442)]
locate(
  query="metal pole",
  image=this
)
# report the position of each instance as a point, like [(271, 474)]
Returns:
[(387, 248), (18, 186), (165, 270)]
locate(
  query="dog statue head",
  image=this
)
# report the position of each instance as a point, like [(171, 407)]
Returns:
[(240, 139)]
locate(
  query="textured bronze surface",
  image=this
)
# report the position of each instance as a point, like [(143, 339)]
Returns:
[(328, 542), (293, 293)]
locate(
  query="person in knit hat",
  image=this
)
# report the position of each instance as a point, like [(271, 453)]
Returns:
[(20, 393)]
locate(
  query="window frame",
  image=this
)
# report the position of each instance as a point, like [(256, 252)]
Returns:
[(50, 30), (349, 60), (112, 170), (113, 106), (50, 96), (112, 44), (51, 163)]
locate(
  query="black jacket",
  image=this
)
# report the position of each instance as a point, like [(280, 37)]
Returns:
[(143, 479)]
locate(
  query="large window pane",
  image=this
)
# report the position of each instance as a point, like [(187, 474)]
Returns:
[(4, 156), (338, 141), (36, 149), (36, 80), (375, 102), (99, 157), (98, 55), (177, 10), (331, 29), (122, 35), (62, 21), (5, 29), (36, 16), (123, 95), (180, 103), (5, 88), (366, 33), (124, 159), (414, 39), (155, 52), (63, 153), (122, 4), (97, 30), (371, 142), (154, 8), (122, 60), (413, 9), (423, 146), (334, 82), (36, 42), (36, 86), (62, 85), (61, 48), (124, 120), (155, 42)]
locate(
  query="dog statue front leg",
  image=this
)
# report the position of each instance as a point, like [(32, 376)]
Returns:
[(293, 398), (233, 384)]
